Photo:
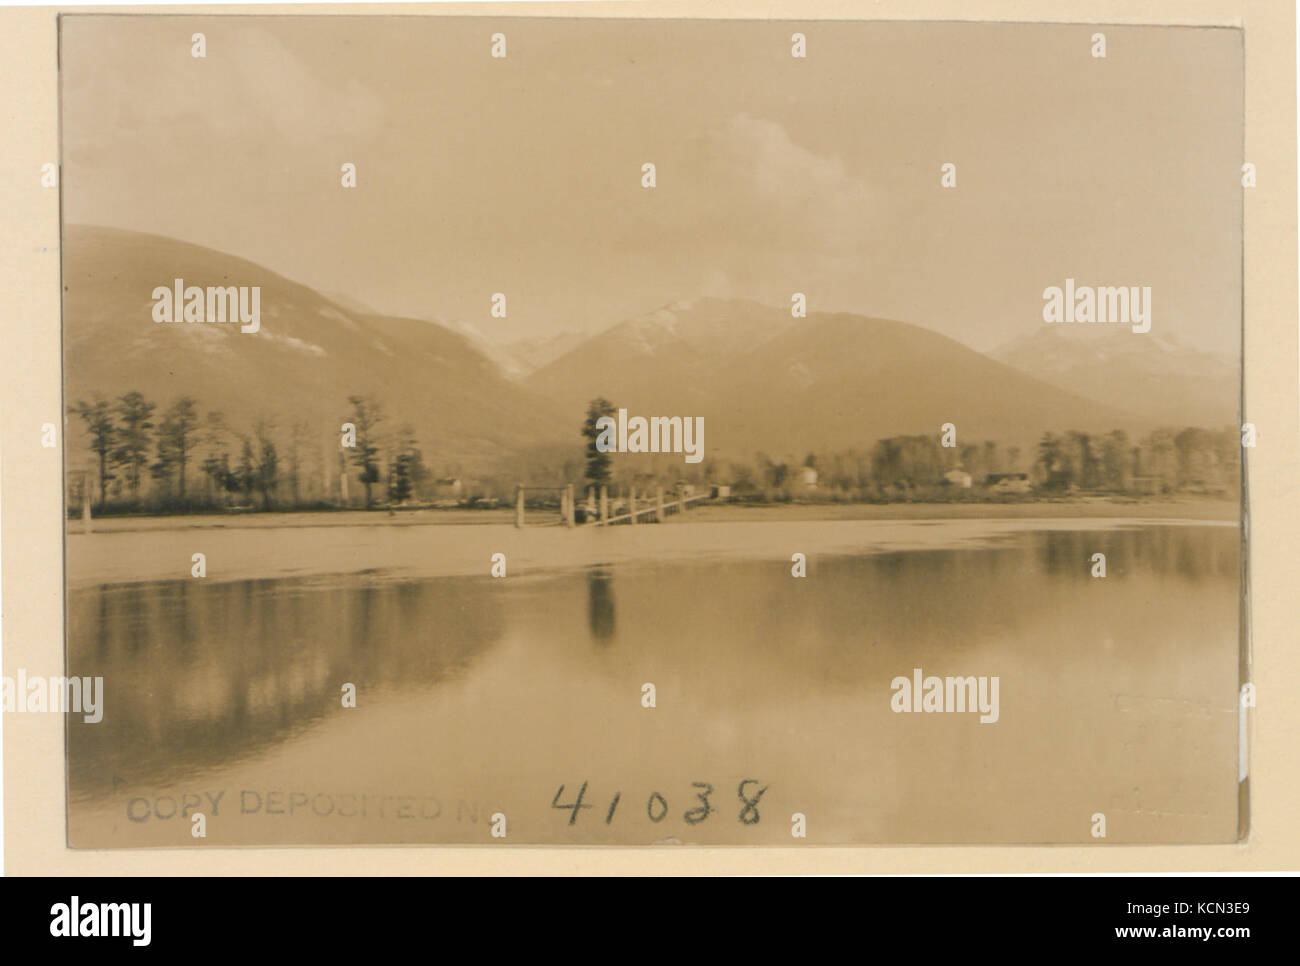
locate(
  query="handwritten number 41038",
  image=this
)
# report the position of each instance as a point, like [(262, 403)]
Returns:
[(657, 806)]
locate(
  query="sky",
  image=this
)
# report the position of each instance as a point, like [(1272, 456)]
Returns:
[(774, 174)]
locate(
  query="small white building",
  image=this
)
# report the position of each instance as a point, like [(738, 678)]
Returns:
[(958, 477)]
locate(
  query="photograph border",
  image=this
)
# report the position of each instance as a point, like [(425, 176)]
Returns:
[(32, 523)]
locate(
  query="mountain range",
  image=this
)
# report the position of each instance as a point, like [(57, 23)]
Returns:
[(308, 357), (763, 381), (1153, 373)]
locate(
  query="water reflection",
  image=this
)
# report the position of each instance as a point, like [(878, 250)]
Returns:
[(1107, 686), (199, 674), (1194, 553), (600, 603)]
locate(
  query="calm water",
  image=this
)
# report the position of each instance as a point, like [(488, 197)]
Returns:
[(478, 696)]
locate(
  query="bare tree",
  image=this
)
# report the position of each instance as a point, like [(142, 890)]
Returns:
[(99, 423)]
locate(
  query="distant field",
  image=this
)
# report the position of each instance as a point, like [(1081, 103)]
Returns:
[(1188, 509), (411, 545), (309, 518)]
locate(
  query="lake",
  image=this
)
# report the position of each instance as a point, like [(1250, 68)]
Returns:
[(524, 697)]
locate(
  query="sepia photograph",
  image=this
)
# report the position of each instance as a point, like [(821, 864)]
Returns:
[(625, 432)]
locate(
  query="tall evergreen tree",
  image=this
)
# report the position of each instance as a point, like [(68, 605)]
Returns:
[(366, 418), (599, 464)]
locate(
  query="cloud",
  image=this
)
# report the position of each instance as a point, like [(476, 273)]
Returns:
[(746, 190), (251, 89), (806, 198), (718, 284), (271, 84), (743, 209)]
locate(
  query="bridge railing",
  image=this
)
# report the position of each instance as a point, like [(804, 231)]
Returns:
[(640, 506), (654, 506)]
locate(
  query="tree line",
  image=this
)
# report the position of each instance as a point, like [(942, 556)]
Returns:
[(1163, 461), (147, 458)]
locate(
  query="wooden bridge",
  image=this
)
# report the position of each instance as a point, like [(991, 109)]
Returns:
[(640, 506)]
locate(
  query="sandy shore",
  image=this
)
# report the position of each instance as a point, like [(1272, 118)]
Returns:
[(436, 545), (708, 512)]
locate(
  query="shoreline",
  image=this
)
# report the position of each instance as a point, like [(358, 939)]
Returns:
[(383, 549), (734, 512)]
